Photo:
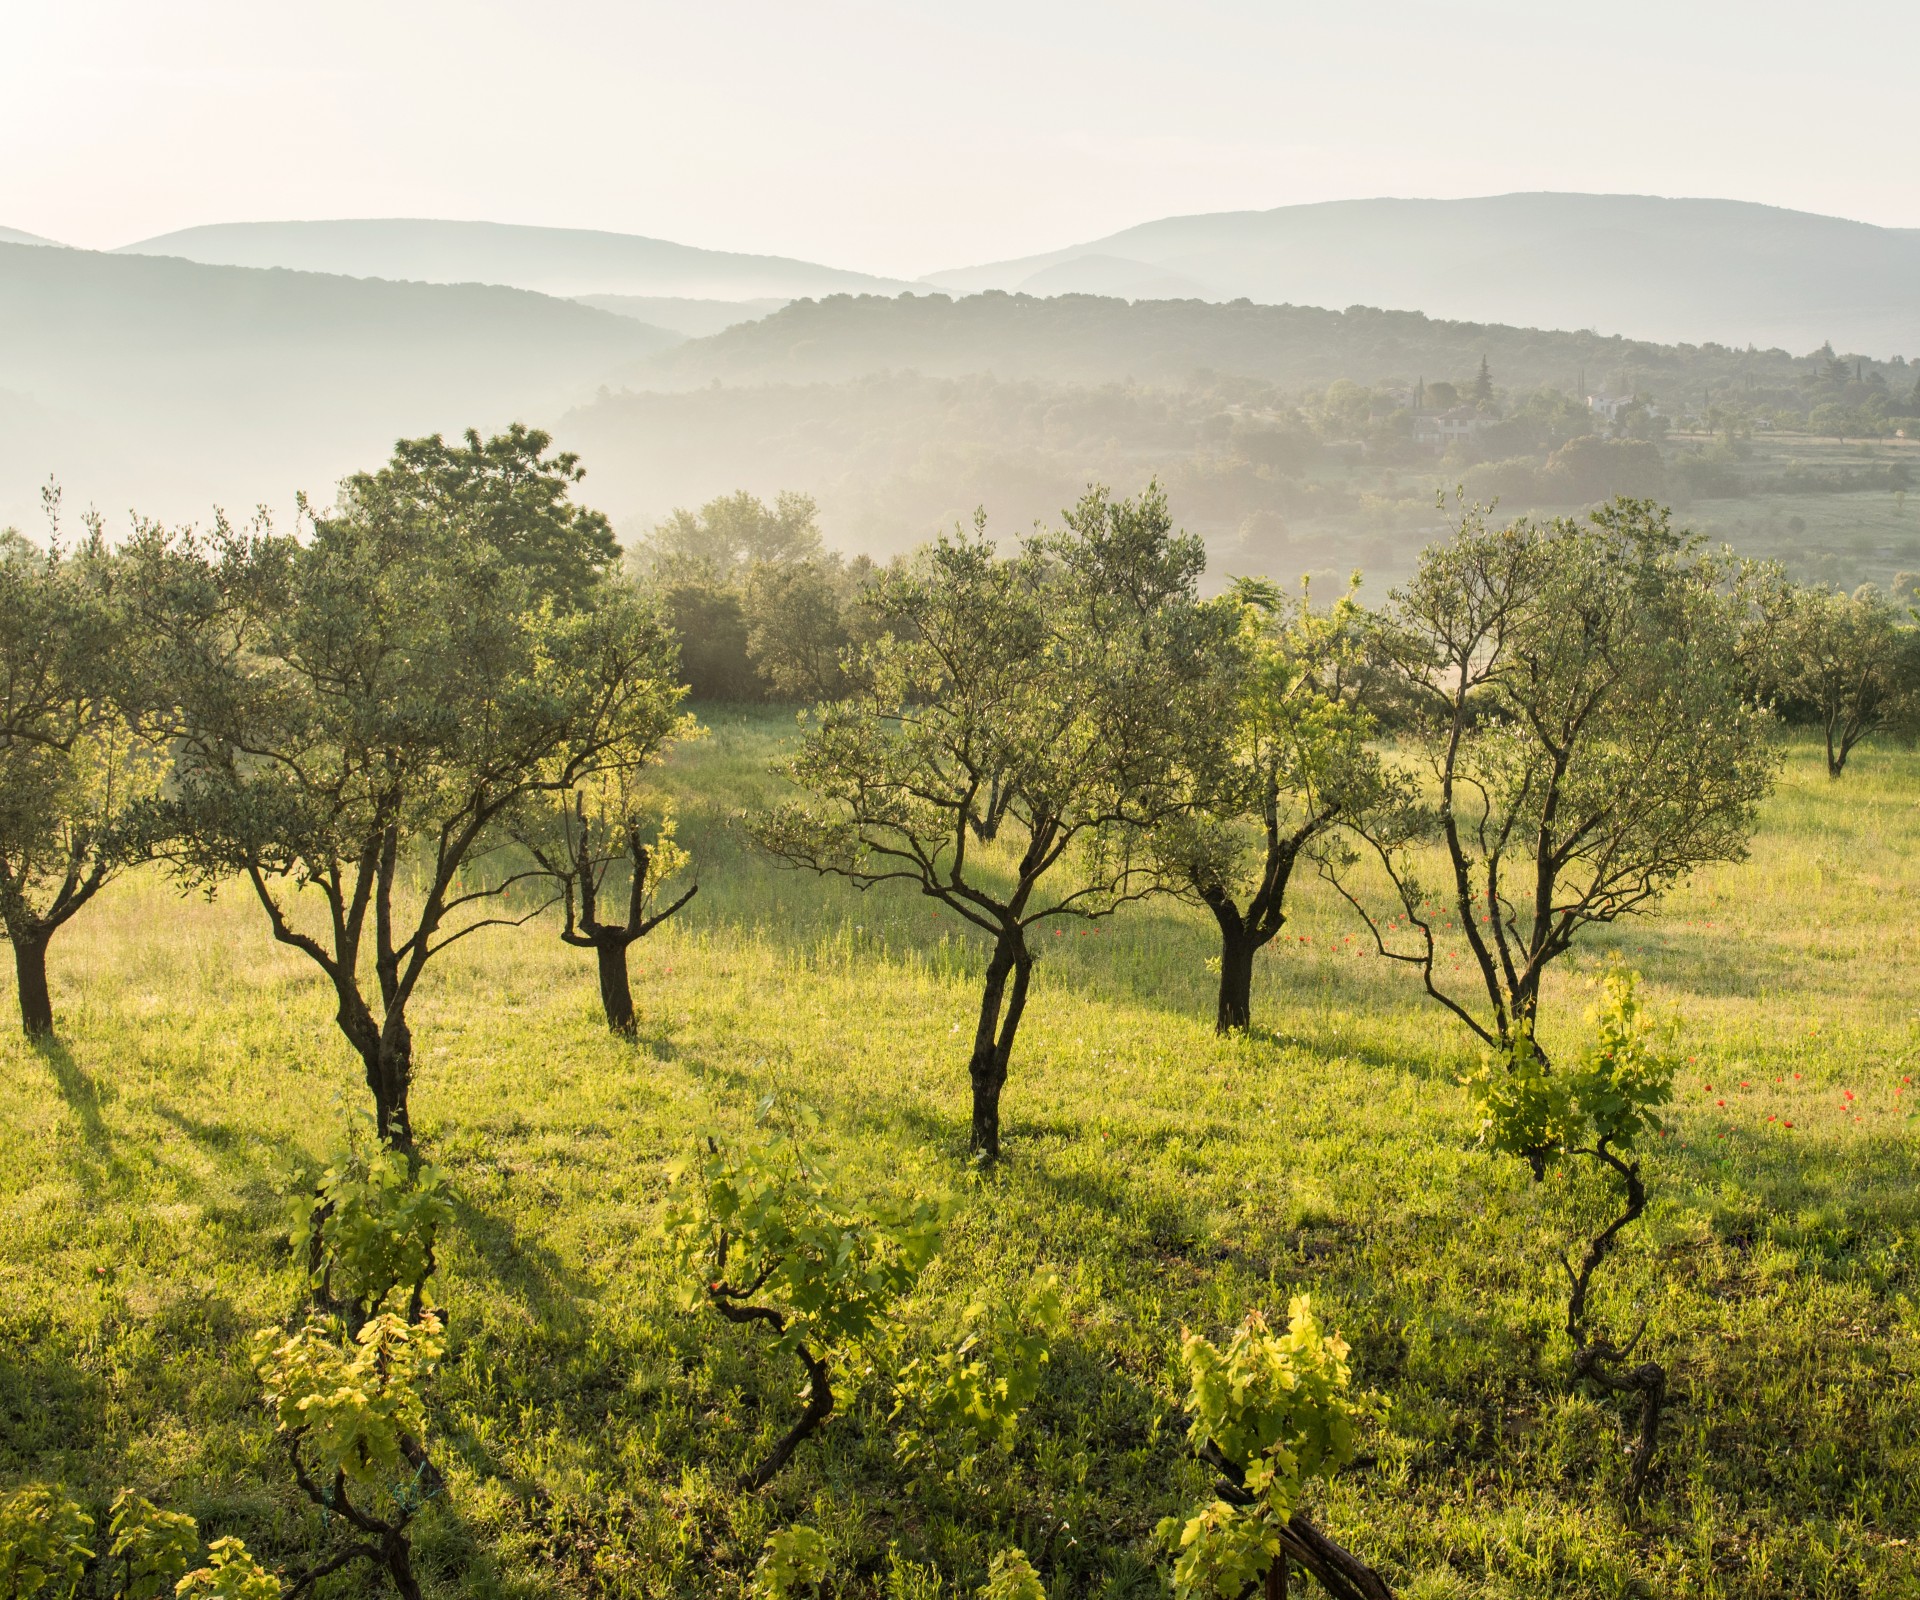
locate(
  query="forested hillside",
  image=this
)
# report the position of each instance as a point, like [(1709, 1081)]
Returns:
[(1295, 439), (1095, 339)]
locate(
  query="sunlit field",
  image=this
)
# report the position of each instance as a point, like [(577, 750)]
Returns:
[(593, 1432)]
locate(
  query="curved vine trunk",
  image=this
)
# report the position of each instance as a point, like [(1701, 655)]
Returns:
[(1340, 1572), (1597, 1357)]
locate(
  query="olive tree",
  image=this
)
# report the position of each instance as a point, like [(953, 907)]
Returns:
[(73, 772), (1289, 764), (1844, 662), (359, 713), (1577, 706), (587, 839), (1018, 726)]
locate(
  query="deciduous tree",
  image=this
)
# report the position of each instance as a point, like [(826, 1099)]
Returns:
[(1583, 726), (73, 772), (586, 839), (1845, 662), (1289, 763), (361, 711), (1020, 725)]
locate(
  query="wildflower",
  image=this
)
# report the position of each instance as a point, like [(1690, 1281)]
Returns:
[(1720, 1102), (1789, 1124)]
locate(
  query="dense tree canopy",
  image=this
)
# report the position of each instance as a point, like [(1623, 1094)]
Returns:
[(1847, 663)]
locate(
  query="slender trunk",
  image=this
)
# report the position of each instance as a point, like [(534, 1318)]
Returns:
[(1237, 950), (1277, 1579), (987, 1070), (30, 966), (616, 992), (993, 1038)]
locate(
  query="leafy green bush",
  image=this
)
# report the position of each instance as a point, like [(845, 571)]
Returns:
[(154, 1547), (769, 1238), (978, 1388), (1273, 1412), (1011, 1577), (352, 1411), (352, 1405), (1600, 1109), (370, 1229), (794, 1558), (42, 1542), (230, 1574)]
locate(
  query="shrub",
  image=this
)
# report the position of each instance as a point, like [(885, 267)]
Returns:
[(153, 1547), (1011, 1577), (773, 1241), (352, 1412), (1599, 1109), (42, 1542), (794, 1558), (979, 1387), (1272, 1412), (369, 1230), (230, 1574)]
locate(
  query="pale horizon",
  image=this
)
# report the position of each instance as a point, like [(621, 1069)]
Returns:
[(897, 142)]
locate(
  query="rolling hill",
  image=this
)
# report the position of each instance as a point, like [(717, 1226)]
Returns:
[(555, 261), (1101, 339), (168, 385), (15, 236), (1678, 271)]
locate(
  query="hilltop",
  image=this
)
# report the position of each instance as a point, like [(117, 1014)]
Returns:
[(555, 261), (1674, 270)]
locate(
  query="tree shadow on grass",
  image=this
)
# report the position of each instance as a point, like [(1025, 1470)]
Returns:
[(50, 1405), (80, 1091)]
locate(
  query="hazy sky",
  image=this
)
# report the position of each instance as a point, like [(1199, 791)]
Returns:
[(902, 138)]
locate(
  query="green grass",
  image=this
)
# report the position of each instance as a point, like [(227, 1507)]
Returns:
[(592, 1433)]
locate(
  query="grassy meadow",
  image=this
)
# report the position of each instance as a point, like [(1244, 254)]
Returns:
[(592, 1432)]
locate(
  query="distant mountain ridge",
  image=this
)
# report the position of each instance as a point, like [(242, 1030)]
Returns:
[(15, 236), (1674, 271), (557, 261), (171, 386)]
